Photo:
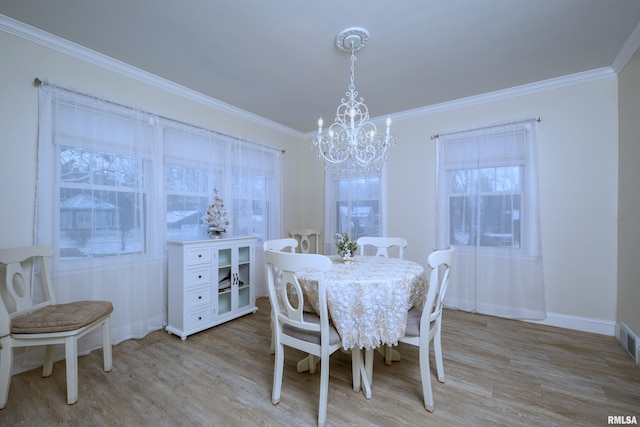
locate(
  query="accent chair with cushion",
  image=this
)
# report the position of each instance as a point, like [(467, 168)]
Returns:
[(25, 322)]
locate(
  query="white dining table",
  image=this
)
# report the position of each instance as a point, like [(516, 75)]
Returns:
[(368, 300)]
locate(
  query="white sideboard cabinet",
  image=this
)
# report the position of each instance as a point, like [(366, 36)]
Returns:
[(210, 282)]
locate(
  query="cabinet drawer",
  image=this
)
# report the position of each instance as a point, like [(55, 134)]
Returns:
[(198, 297), (198, 255), (197, 276), (199, 318)]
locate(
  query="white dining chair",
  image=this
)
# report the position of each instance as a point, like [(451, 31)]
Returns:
[(25, 322), (311, 333), (287, 244), (308, 239), (425, 324), (308, 332), (382, 245)]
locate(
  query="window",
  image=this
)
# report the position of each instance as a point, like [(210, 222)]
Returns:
[(96, 163), (354, 204), (255, 188), (251, 209), (120, 182), (193, 169), (188, 195), (485, 205), (358, 206), (488, 209), (101, 203), (486, 193)]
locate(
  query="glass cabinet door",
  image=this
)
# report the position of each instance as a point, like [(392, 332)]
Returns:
[(225, 280), (244, 276)]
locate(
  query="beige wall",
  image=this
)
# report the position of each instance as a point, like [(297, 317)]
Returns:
[(578, 159), (629, 196), (22, 61), (578, 163)]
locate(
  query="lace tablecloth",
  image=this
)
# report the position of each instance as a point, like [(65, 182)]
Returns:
[(368, 299)]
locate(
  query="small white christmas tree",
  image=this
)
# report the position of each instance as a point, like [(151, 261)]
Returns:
[(215, 221)]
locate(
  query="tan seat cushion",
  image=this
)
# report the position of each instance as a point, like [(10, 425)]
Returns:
[(61, 317), (312, 336)]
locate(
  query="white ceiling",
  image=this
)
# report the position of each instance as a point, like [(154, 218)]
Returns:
[(278, 59)]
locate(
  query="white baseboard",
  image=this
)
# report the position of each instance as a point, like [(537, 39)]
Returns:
[(559, 320), (584, 324)]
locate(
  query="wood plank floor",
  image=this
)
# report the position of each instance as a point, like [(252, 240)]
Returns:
[(498, 372)]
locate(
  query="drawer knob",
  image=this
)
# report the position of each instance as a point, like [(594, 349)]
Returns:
[(199, 276), (199, 317), (199, 296)]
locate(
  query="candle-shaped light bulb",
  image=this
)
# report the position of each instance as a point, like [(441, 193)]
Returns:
[(388, 125), (319, 125)]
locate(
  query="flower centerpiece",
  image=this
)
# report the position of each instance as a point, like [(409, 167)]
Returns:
[(346, 247), (215, 221)]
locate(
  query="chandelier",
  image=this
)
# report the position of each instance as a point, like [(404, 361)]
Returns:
[(353, 141)]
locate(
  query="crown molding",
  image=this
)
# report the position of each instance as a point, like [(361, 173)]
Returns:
[(628, 50), (43, 38), (550, 84)]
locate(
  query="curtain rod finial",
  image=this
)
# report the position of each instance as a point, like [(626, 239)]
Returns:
[(37, 82)]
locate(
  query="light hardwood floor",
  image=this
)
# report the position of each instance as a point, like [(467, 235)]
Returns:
[(498, 372)]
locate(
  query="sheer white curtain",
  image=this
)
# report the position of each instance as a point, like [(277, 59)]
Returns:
[(114, 183), (488, 209), (355, 202), (98, 192), (194, 167), (256, 188)]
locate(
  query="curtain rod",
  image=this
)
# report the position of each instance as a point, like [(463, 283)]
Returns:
[(438, 135), (38, 82)]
